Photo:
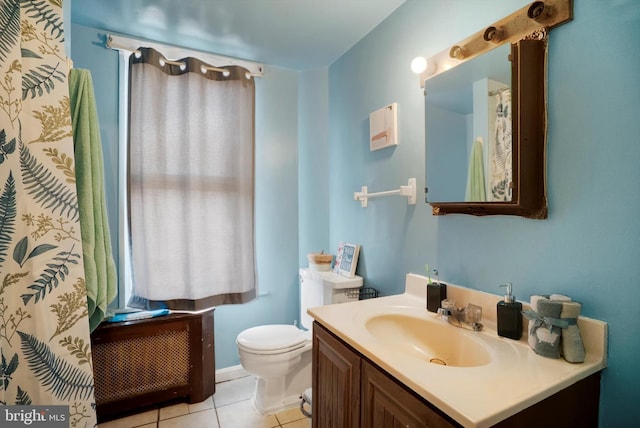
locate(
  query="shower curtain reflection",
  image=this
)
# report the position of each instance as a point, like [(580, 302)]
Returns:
[(501, 154)]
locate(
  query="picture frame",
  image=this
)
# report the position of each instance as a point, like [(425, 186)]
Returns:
[(347, 259), (383, 127)]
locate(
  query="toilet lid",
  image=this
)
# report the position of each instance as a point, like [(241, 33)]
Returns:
[(271, 338)]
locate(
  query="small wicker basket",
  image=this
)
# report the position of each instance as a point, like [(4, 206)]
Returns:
[(320, 261), (362, 293)]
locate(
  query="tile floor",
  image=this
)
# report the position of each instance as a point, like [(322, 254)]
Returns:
[(229, 407)]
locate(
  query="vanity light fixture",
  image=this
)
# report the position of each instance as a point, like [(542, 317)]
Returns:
[(458, 52), (493, 34), (429, 69), (419, 64), (423, 68), (523, 22), (539, 11)]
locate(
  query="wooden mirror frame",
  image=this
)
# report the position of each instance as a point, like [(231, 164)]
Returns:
[(529, 193), (527, 30)]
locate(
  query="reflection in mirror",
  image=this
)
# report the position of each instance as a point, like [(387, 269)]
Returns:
[(468, 124)]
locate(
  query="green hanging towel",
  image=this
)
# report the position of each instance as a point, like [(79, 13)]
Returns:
[(99, 266), (475, 180)]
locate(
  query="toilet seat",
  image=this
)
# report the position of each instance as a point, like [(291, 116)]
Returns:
[(272, 339)]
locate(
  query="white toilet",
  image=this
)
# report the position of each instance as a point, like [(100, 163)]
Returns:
[(279, 355)]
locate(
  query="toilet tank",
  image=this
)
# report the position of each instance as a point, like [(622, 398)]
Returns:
[(318, 288)]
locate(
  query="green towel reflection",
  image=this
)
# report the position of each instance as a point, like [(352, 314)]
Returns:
[(475, 179)]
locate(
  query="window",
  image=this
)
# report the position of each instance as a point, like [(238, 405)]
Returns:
[(190, 182)]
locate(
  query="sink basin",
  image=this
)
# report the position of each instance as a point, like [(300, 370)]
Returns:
[(428, 340)]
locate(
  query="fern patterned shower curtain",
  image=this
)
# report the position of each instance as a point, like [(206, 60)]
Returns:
[(44, 331)]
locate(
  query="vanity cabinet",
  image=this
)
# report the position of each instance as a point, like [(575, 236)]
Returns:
[(349, 391)]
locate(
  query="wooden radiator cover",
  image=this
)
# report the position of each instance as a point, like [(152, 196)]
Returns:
[(137, 364)]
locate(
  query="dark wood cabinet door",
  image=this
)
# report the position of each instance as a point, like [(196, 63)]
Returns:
[(336, 399), (386, 404)]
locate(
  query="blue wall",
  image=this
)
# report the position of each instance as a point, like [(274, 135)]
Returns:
[(313, 163), (589, 246)]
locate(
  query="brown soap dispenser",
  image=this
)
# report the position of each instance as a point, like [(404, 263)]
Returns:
[(509, 315)]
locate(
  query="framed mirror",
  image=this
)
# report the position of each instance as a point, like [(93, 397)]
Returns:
[(486, 134), (485, 117)]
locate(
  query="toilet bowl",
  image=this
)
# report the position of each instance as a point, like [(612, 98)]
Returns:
[(279, 355), (282, 367)]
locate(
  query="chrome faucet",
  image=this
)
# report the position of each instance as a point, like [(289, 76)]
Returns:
[(468, 317)]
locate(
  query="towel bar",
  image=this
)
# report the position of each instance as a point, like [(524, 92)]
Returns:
[(409, 191)]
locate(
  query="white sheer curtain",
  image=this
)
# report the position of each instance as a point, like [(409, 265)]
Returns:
[(191, 183)]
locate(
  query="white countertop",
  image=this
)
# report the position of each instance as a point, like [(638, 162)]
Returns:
[(480, 396)]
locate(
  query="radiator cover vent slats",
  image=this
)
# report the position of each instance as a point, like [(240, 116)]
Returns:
[(136, 366)]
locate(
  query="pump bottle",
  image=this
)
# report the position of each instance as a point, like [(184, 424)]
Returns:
[(509, 315)]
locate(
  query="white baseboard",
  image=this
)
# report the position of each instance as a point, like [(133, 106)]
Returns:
[(230, 373)]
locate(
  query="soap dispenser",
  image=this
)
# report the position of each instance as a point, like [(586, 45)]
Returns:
[(509, 315), (436, 293)]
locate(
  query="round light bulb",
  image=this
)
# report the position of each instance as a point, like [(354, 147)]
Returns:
[(419, 64)]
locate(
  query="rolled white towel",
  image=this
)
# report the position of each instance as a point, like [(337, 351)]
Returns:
[(560, 297), (534, 307), (572, 344), (570, 310), (534, 301)]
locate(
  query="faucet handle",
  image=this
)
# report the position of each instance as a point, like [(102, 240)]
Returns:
[(473, 313), (448, 304)]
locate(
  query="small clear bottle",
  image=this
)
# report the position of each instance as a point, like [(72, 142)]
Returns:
[(509, 315)]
